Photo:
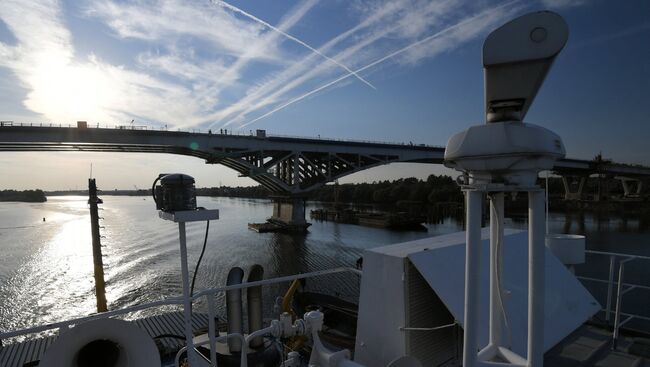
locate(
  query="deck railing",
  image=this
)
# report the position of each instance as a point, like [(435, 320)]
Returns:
[(208, 295), (622, 289)]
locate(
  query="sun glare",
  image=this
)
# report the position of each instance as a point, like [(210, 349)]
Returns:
[(66, 92)]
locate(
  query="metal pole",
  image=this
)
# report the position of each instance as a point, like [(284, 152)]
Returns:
[(98, 263), (619, 297), (536, 276), (187, 301), (610, 288), (212, 330), (472, 277), (496, 237), (546, 200)]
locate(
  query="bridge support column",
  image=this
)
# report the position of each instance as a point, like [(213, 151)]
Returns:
[(289, 213), (631, 191), (570, 195)]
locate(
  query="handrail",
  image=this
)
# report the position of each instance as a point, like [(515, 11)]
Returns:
[(620, 290), (170, 301), (210, 132)]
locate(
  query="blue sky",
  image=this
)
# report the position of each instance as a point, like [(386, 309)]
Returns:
[(244, 65)]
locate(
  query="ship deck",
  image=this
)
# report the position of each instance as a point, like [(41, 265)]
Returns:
[(591, 345)]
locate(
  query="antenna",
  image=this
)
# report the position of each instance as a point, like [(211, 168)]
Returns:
[(505, 155), (91, 170), (516, 58)]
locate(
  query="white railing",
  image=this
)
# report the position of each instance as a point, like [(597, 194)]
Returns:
[(622, 288), (208, 294)]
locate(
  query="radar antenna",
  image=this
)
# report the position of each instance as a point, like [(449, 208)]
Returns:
[(505, 155)]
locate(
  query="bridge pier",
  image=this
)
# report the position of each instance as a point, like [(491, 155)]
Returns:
[(573, 195), (289, 213), (629, 190)]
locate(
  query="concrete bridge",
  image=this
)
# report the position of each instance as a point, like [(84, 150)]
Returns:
[(287, 166)]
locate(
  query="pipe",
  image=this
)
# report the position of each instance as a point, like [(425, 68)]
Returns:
[(243, 361), (234, 308), (472, 276), (258, 334), (254, 299)]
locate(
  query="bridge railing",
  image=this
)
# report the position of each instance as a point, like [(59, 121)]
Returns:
[(249, 133)]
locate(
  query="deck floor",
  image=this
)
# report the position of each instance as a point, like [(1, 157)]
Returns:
[(29, 352), (591, 346)]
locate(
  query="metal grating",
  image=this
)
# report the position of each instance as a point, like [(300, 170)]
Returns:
[(424, 309)]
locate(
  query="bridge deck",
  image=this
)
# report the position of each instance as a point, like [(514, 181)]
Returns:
[(261, 158)]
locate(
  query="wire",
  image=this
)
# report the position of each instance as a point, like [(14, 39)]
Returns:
[(499, 265), (198, 263)]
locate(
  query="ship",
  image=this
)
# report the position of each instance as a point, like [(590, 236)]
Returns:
[(482, 297)]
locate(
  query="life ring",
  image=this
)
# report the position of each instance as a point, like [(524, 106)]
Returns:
[(103, 342)]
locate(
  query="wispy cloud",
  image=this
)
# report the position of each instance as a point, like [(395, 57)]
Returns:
[(191, 63), (436, 43), (285, 34), (556, 4)]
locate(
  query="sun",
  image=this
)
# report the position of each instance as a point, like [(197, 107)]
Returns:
[(65, 91)]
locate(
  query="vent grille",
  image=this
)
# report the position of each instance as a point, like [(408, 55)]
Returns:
[(426, 310)]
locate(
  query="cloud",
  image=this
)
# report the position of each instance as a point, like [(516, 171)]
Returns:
[(455, 30), (426, 47), (190, 63), (556, 4)]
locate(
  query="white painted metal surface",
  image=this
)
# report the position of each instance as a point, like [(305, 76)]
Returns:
[(568, 248), (136, 348), (181, 217), (567, 303), (190, 215)]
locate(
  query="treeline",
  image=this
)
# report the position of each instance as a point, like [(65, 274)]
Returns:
[(255, 192), (29, 196), (434, 189)]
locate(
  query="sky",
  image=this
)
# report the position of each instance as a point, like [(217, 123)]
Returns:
[(384, 70)]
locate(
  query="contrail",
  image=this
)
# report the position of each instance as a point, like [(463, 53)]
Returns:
[(251, 16), (393, 54)]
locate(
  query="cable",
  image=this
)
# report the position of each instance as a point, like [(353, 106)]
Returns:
[(198, 263), (499, 265)]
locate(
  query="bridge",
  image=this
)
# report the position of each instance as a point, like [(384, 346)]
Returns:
[(287, 166)]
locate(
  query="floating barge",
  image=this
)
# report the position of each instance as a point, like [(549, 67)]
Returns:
[(277, 226), (400, 220)]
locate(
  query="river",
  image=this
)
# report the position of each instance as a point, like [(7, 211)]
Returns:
[(46, 271)]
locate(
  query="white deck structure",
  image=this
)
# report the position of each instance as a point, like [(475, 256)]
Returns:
[(392, 300)]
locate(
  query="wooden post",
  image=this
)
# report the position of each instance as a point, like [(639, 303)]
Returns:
[(100, 287)]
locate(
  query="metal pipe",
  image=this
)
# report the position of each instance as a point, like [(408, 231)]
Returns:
[(610, 287), (243, 361), (472, 276), (619, 300), (254, 299), (258, 334), (187, 301), (536, 275), (212, 331), (234, 308), (496, 237)]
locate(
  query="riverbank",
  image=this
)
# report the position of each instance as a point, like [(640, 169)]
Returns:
[(26, 196)]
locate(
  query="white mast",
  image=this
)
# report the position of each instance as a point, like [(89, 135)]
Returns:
[(506, 155)]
